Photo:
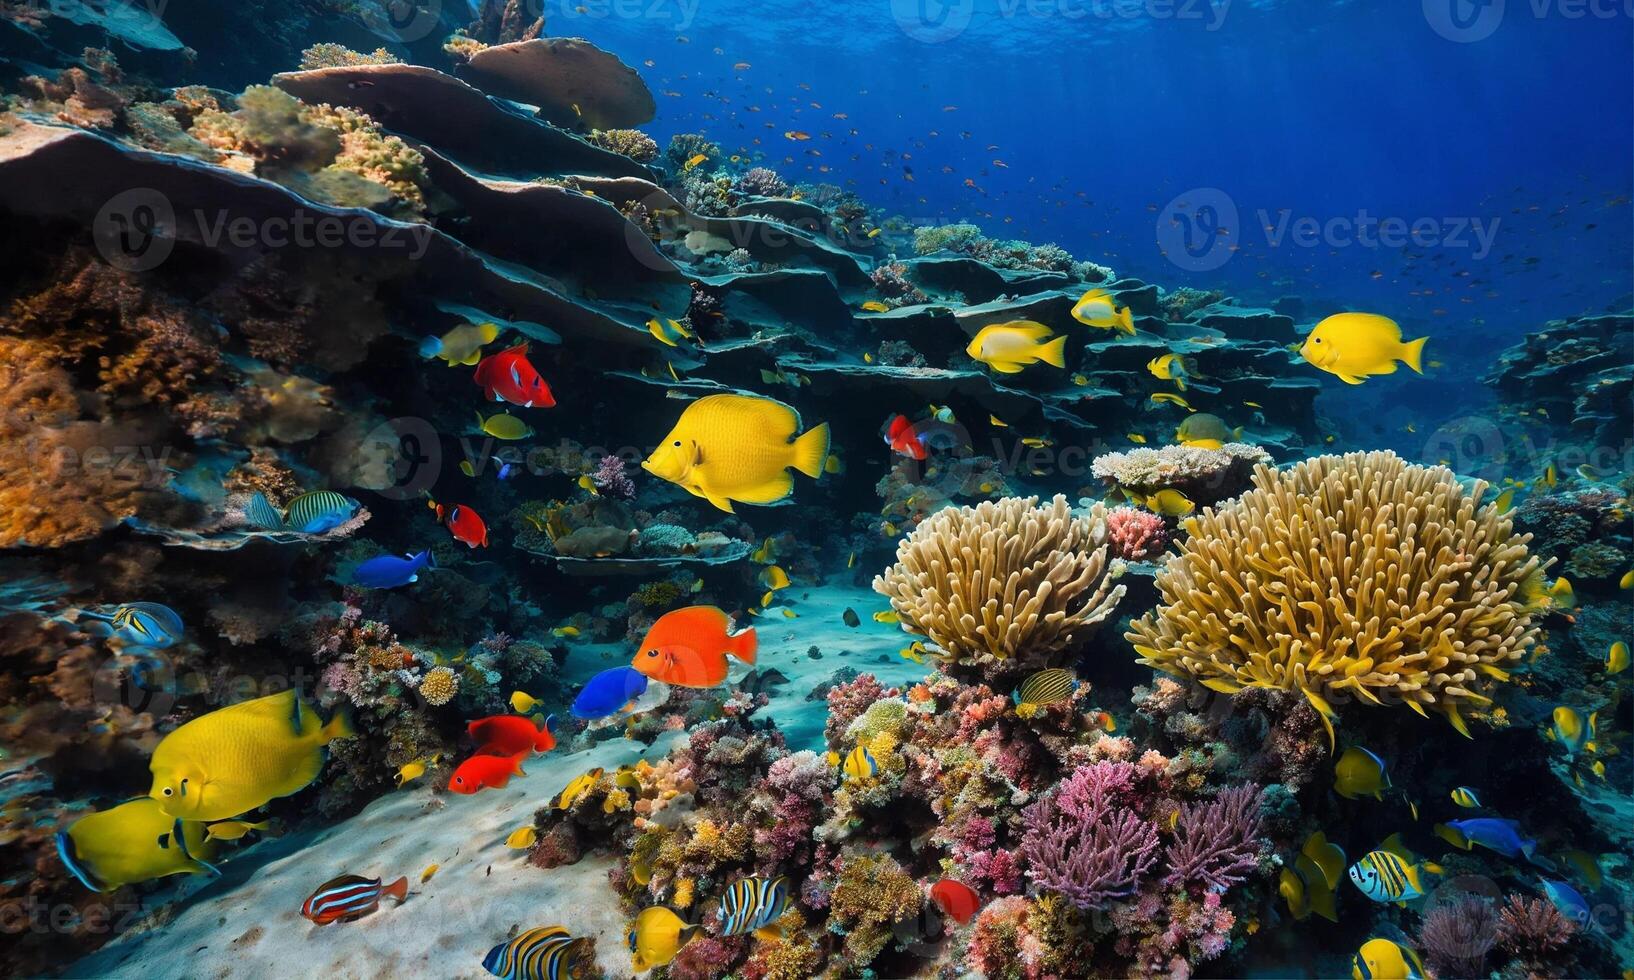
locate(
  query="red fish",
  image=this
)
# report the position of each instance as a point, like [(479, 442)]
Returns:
[(510, 735), (485, 772), (958, 901), (464, 523), (350, 897), (689, 647), (901, 437), (509, 377)]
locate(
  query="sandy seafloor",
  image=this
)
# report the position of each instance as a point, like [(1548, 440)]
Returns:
[(247, 924)]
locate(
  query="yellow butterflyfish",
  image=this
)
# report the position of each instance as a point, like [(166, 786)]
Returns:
[(727, 448)]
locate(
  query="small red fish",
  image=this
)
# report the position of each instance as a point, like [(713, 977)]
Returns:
[(350, 897), (508, 376), (510, 735), (485, 772), (957, 900), (903, 440), (464, 523), (689, 647)]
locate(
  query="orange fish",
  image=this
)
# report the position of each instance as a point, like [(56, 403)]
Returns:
[(689, 647), (956, 899), (484, 772), (510, 735)]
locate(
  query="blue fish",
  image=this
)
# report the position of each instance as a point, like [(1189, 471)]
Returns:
[(609, 691), (754, 905), (142, 624), (390, 571), (313, 512), (1502, 836), (1569, 901), (546, 953)]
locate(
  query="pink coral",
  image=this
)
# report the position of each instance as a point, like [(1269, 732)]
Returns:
[(1136, 535), (1083, 842), (1216, 843), (611, 479), (848, 700)]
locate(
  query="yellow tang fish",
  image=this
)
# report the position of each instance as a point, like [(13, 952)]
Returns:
[(667, 331), (1097, 308), (577, 789), (1505, 501), (1205, 431), (1009, 347), (237, 758), (656, 935), (875, 306), (1360, 773), (522, 838), (1382, 959), (774, 578), (461, 345), (504, 426), (1037, 443), (740, 448), (523, 703), (694, 160), (765, 554), (887, 616), (1617, 658), (1354, 346), (234, 829), (1170, 503), (790, 614), (408, 772), (1137, 438), (133, 842)]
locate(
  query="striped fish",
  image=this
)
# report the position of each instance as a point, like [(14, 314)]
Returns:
[(545, 953), (1043, 689), (350, 897), (1465, 797), (860, 765), (753, 904), (314, 512), (142, 624), (1390, 874)]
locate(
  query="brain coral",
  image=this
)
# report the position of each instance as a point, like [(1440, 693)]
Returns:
[(1358, 575), (1004, 582)]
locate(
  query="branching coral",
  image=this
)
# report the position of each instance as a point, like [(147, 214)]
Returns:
[(1457, 936), (1356, 575), (633, 143), (1004, 584), (1084, 843), (762, 182), (1217, 843), (873, 893), (331, 55), (1136, 535)]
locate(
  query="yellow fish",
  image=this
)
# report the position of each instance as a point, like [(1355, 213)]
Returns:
[(1627, 581), (1173, 367), (568, 632), (1097, 308), (1505, 501), (577, 789), (1137, 438), (774, 578), (1381, 959), (1037, 443), (522, 837), (1599, 769), (765, 554), (1466, 798), (1009, 347), (1081, 380), (1170, 503), (667, 331), (875, 306), (234, 829), (914, 651), (1572, 732), (851, 561), (237, 758), (522, 703), (1354, 346), (887, 616), (1617, 658), (461, 345), (1205, 431), (1563, 594), (135, 841), (656, 935), (999, 423), (875, 232), (431, 869), (740, 448), (859, 764), (1164, 396), (1360, 773), (694, 161), (410, 771), (790, 614), (504, 426)]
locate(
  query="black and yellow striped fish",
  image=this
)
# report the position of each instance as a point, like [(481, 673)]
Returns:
[(1391, 874), (314, 512), (545, 953), (753, 904), (1043, 689)]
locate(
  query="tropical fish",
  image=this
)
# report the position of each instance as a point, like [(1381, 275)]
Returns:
[(1563, 594), (901, 436), (694, 160), (237, 758), (1494, 834), (887, 616), (957, 900), (1136, 438), (1354, 346), (567, 632), (429, 872), (504, 426), (774, 578), (1572, 732), (148, 625), (350, 897), (1391, 873), (1587, 867), (1627, 581), (1505, 501), (1009, 347), (1569, 901), (234, 829), (656, 935), (408, 772), (1617, 658), (461, 345), (727, 448), (1097, 308), (752, 905), (1047, 687), (313, 512), (914, 651), (1382, 959), (546, 953), (608, 692), (1173, 367), (523, 703), (689, 646), (1309, 886), (1169, 398), (668, 331), (1360, 773), (858, 765), (850, 618), (1169, 503), (482, 772), (522, 838), (576, 790), (1466, 798), (509, 377), (1205, 431), (875, 306), (510, 735), (133, 842), (390, 571), (464, 523)]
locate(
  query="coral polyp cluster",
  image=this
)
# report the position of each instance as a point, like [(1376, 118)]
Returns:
[(1358, 575)]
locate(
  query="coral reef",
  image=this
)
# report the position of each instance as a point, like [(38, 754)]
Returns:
[(1204, 476)]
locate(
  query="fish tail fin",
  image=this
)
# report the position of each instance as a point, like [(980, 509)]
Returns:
[(743, 645), (1054, 352), (260, 512), (1412, 354), (431, 347), (1126, 322), (771, 934), (397, 889), (516, 763), (811, 451), (338, 726)]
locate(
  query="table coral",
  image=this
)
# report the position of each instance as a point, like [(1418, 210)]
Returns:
[(1205, 476)]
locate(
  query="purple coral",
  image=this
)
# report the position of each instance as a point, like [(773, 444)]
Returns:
[(1084, 842), (1136, 535), (762, 182), (1216, 843), (611, 479), (1457, 936)]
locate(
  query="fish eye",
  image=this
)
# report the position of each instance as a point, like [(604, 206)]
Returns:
[(677, 443), (460, 780), (652, 653), (169, 791)]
